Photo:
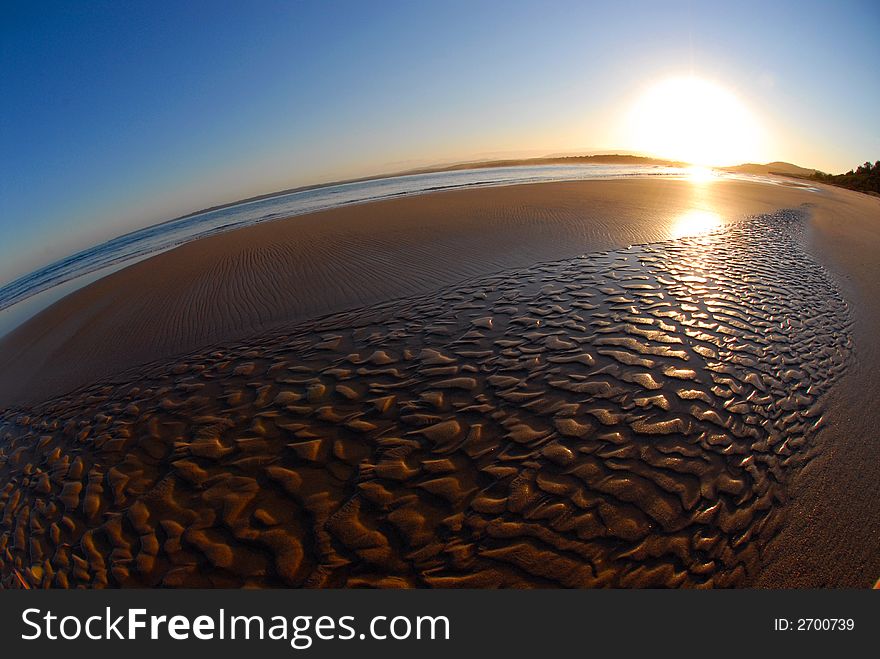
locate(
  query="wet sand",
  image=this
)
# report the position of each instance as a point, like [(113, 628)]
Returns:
[(478, 407)]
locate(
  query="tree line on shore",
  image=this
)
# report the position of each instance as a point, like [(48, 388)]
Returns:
[(865, 178)]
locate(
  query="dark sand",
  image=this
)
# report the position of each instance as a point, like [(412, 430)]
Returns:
[(693, 412)]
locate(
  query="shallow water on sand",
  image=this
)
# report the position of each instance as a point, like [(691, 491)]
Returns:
[(625, 418)]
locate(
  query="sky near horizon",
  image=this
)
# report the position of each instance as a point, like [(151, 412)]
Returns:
[(116, 116)]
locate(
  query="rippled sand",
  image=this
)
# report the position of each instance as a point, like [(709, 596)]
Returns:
[(630, 417)]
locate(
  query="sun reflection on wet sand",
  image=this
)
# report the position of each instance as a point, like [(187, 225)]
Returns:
[(697, 174), (695, 222), (699, 219)]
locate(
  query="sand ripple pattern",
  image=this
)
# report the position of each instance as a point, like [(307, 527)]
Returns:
[(626, 418)]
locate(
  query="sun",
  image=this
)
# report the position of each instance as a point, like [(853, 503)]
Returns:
[(693, 120)]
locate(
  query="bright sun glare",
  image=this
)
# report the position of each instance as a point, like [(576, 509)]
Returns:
[(695, 121), (696, 222)]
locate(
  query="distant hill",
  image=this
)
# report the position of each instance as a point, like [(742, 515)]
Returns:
[(599, 159), (778, 167)]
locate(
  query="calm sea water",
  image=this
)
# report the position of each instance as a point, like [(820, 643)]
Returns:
[(24, 297)]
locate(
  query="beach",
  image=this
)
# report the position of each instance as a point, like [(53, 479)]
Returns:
[(557, 384)]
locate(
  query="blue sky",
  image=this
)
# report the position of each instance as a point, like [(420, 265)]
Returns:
[(117, 115)]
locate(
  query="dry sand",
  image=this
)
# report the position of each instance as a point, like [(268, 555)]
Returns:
[(692, 412)]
